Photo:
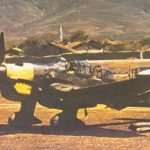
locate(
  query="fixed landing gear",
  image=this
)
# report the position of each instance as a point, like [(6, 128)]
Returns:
[(19, 119), (25, 117), (67, 119)]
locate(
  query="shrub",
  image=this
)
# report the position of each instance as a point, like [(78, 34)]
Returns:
[(33, 46), (78, 35)]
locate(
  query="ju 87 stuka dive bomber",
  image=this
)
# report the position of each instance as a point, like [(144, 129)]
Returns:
[(67, 86)]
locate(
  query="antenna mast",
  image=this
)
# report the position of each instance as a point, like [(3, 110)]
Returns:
[(61, 33)]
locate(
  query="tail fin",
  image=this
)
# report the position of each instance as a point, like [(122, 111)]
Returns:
[(2, 42)]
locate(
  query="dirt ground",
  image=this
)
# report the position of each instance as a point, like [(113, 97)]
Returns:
[(105, 129)]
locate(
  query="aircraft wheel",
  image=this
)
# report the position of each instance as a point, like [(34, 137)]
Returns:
[(55, 121), (64, 121)]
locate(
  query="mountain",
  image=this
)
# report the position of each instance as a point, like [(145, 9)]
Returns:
[(124, 19)]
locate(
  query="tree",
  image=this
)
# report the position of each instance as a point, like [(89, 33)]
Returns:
[(33, 45), (144, 43), (79, 35)]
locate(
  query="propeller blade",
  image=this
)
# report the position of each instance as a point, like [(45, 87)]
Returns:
[(2, 47), (2, 42)]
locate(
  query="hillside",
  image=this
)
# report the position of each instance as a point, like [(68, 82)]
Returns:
[(125, 19)]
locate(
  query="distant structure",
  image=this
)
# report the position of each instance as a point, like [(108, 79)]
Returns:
[(61, 33), (2, 42), (141, 54)]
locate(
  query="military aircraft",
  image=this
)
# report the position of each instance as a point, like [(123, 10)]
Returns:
[(67, 86)]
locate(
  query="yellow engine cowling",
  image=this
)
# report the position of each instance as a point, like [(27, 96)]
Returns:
[(24, 72)]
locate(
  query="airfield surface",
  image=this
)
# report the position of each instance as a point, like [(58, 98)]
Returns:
[(106, 129)]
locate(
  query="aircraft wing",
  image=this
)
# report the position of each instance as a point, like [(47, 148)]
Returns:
[(115, 94)]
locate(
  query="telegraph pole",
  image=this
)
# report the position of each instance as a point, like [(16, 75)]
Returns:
[(61, 33)]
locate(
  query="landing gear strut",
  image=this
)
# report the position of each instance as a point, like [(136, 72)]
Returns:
[(25, 117), (67, 119)]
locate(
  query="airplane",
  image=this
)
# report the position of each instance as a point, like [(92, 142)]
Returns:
[(67, 86)]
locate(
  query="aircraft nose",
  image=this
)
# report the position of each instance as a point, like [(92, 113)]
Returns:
[(2, 71)]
